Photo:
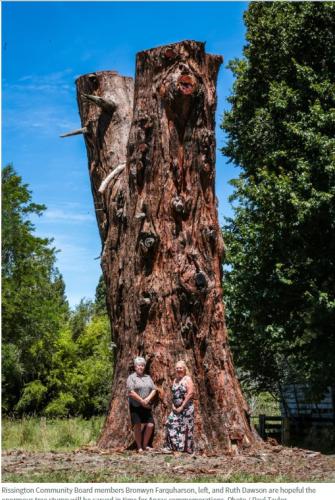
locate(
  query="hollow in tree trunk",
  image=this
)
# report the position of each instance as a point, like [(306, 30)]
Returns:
[(162, 244)]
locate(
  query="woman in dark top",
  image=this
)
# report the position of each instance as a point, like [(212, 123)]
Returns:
[(141, 391)]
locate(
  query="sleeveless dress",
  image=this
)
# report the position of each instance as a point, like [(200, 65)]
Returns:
[(180, 426)]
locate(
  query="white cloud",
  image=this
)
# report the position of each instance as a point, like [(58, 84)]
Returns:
[(43, 102), (52, 83), (50, 118), (49, 80), (57, 215), (79, 263)]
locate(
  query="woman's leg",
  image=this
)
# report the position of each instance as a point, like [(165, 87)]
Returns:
[(149, 427), (174, 432), (186, 440), (138, 435), (189, 428)]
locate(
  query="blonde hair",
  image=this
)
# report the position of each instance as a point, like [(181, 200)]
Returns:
[(184, 365)]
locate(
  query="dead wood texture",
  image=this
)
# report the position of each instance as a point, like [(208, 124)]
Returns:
[(105, 102), (162, 244)]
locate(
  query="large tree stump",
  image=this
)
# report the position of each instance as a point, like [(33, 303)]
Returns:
[(162, 244)]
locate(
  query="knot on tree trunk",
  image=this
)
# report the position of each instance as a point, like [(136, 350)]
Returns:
[(179, 91), (201, 280)]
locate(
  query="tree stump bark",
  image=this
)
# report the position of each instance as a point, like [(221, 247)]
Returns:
[(162, 241), (105, 101)]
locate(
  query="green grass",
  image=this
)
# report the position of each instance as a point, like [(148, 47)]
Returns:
[(104, 475), (44, 434), (41, 434)]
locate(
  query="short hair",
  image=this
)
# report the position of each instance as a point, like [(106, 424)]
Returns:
[(139, 361)]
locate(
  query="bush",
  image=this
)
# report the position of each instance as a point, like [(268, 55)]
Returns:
[(61, 406), (32, 397)]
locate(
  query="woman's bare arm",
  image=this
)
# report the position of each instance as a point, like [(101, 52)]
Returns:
[(138, 398), (189, 393), (151, 396)]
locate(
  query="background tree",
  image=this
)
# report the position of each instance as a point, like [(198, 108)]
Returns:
[(33, 300), (82, 367), (54, 361), (279, 279), (100, 297)]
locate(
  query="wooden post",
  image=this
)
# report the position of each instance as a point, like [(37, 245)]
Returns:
[(262, 424), (286, 434)]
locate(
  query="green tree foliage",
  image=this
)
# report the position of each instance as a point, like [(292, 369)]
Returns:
[(82, 315), (279, 279), (81, 376), (100, 297), (54, 361), (33, 301)]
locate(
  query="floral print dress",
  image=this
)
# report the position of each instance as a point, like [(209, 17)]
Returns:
[(180, 426)]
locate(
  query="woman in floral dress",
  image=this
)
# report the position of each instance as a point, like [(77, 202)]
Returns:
[(180, 422)]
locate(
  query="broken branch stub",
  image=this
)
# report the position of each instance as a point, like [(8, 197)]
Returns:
[(105, 104), (78, 131)]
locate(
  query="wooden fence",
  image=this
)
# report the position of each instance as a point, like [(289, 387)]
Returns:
[(283, 428)]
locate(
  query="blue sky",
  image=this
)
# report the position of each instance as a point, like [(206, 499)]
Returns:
[(45, 46)]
